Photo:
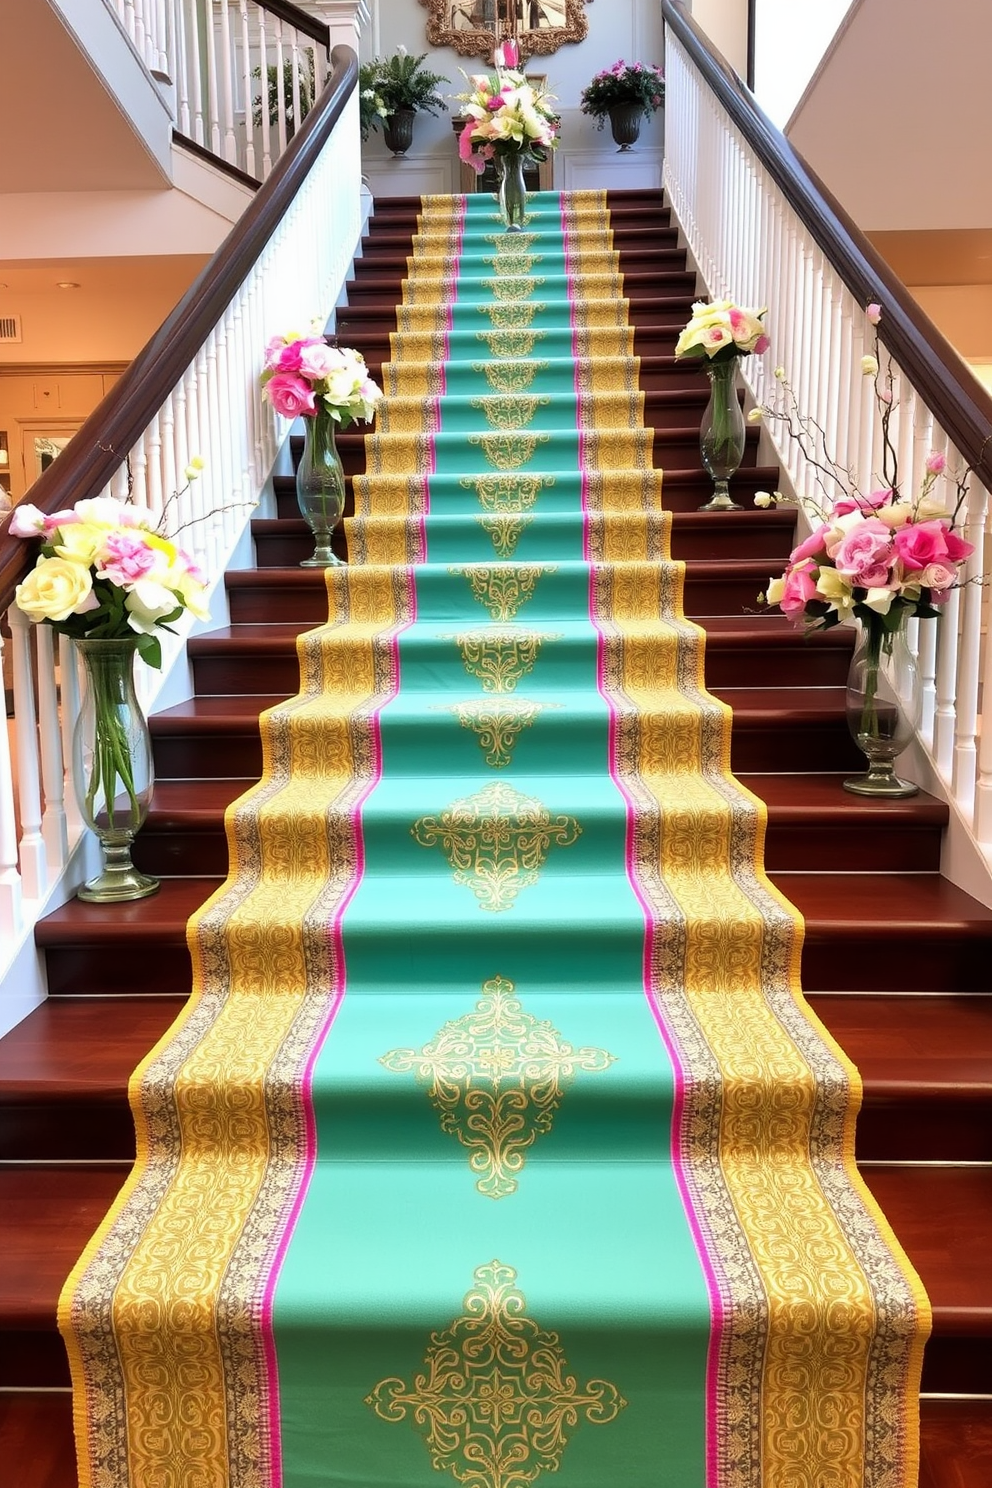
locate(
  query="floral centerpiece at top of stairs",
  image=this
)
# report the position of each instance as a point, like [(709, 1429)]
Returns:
[(330, 387), (717, 335), (625, 94), (511, 122), (881, 558), (110, 580)]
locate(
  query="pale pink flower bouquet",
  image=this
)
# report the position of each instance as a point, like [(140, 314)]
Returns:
[(303, 375), (881, 557), (720, 330), (506, 114)]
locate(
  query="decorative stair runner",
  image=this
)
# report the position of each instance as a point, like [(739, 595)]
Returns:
[(497, 1138)]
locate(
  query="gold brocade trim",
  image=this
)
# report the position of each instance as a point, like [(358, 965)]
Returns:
[(496, 1401), (510, 262), (416, 416), (500, 659), (628, 537), (419, 346), (496, 1078), (623, 491), (424, 290), (399, 454), (507, 245), (498, 726), (618, 449), (507, 493), (509, 377), (496, 842), (603, 341), (615, 409), (615, 374), (510, 411), (432, 319), (503, 590), (601, 314), (505, 532), (390, 495), (508, 451), (385, 540), (408, 378)]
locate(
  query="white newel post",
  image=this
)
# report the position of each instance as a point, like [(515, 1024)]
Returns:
[(344, 19)]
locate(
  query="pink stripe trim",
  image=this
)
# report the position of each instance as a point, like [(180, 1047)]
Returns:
[(717, 1306), (310, 1126)]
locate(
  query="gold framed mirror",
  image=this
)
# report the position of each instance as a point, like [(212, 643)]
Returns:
[(473, 27)]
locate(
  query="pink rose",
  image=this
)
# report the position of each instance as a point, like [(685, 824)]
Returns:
[(874, 313), (124, 558), (289, 357), (814, 546), (957, 549), (27, 520), (290, 395), (317, 360), (865, 553), (800, 588), (921, 543), (761, 345), (936, 463), (848, 504), (55, 520)]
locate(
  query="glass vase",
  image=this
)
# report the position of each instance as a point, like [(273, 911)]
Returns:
[(883, 707), (320, 487), (721, 433), (512, 190), (112, 767)]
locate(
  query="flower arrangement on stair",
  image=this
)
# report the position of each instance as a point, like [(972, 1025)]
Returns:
[(110, 580), (393, 90), (880, 558), (625, 94), (511, 122), (330, 387), (718, 334)]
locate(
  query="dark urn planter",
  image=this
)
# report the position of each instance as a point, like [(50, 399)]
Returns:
[(625, 123), (397, 130)]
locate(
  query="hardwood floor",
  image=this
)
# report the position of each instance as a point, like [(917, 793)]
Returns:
[(922, 1035)]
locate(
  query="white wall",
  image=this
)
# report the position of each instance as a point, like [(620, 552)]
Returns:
[(790, 39), (897, 121), (586, 158)]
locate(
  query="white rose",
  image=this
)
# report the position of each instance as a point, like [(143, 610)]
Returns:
[(55, 589), (147, 603)]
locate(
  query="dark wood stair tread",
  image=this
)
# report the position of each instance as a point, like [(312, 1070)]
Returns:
[(914, 1042), (884, 905), (820, 799), (163, 917), (69, 1048)]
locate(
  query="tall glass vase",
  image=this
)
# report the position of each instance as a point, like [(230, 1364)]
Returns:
[(883, 707), (112, 767), (512, 190), (721, 433), (320, 487)]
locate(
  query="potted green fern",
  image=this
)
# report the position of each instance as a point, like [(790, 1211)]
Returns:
[(393, 90)]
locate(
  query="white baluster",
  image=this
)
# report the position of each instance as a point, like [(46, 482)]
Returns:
[(68, 713), (53, 821), (34, 865), (227, 85), (965, 753), (263, 56), (246, 65), (213, 91), (11, 899)]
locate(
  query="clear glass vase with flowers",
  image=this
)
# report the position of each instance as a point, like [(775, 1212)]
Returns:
[(511, 122), (330, 388), (109, 579), (879, 558), (717, 335)]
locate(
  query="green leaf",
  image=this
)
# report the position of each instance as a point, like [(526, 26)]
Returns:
[(150, 650)]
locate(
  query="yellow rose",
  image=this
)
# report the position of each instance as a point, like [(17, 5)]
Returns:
[(80, 542), (774, 592), (834, 588), (55, 589)]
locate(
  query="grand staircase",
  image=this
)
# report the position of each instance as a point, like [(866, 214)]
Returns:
[(895, 960)]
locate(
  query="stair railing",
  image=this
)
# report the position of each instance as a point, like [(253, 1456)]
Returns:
[(191, 394), (765, 231), (245, 72)]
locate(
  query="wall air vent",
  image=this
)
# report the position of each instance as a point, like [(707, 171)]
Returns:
[(10, 328)]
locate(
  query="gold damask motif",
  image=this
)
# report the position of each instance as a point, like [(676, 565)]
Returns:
[(521, 242), (505, 532), (513, 263), (500, 658), (496, 1402), (509, 377), (503, 590), (498, 725), (507, 451), (507, 493), (515, 316), (509, 412), (508, 344), (496, 841), (496, 1078), (512, 289), (427, 289)]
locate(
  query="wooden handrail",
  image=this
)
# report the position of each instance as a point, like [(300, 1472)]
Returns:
[(300, 20), (957, 400), (114, 427)]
